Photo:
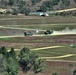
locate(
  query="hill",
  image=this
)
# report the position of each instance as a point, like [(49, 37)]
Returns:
[(26, 6), (62, 4)]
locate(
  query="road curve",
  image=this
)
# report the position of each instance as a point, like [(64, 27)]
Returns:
[(63, 56), (46, 47)]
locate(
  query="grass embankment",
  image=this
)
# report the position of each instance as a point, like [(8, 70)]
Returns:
[(41, 39), (5, 20), (60, 53), (54, 23), (64, 50), (46, 26)]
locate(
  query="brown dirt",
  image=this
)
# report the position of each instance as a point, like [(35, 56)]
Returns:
[(59, 67), (39, 41)]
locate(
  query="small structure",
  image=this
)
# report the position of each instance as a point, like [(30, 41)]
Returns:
[(28, 33), (39, 14)]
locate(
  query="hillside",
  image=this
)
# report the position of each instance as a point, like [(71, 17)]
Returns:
[(67, 4), (26, 6), (62, 4)]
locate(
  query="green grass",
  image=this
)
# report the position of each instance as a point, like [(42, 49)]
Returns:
[(5, 39), (56, 51), (72, 58), (47, 26), (26, 40), (54, 23), (38, 20)]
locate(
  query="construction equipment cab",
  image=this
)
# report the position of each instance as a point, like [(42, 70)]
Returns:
[(48, 32), (28, 33)]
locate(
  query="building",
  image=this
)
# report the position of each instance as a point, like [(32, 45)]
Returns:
[(39, 14)]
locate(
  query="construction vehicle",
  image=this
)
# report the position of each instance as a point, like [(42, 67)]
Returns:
[(28, 33), (48, 32)]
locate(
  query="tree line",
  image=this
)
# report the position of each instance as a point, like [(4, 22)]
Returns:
[(48, 5), (25, 60), (21, 6)]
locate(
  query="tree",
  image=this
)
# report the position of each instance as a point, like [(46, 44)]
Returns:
[(2, 65), (3, 50), (27, 11), (4, 2), (43, 8), (9, 62), (35, 1), (54, 74), (66, 2), (75, 1), (12, 63), (37, 64), (24, 59), (27, 60), (55, 2), (12, 66), (12, 53), (48, 5), (74, 72), (15, 12), (30, 61), (11, 2)]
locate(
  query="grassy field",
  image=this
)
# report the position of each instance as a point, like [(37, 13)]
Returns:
[(39, 41), (35, 20), (9, 25), (46, 26), (57, 51)]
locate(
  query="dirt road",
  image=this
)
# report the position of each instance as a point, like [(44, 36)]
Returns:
[(63, 56), (47, 47), (65, 10)]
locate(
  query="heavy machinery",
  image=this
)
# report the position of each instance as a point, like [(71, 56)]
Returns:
[(28, 33), (48, 32), (37, 32)]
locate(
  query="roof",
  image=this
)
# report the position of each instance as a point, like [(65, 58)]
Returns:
[(39, 13)]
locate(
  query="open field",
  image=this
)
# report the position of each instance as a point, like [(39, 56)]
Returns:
[(59, 67), (43, 26), (35, 20), (38, 41), (50, 47)]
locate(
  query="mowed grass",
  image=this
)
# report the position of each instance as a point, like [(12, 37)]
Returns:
[(54, 23), (71, 58), (56, 51), (46, 26), (36, 22), (66, 50), (24, 20), (41, 39)]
